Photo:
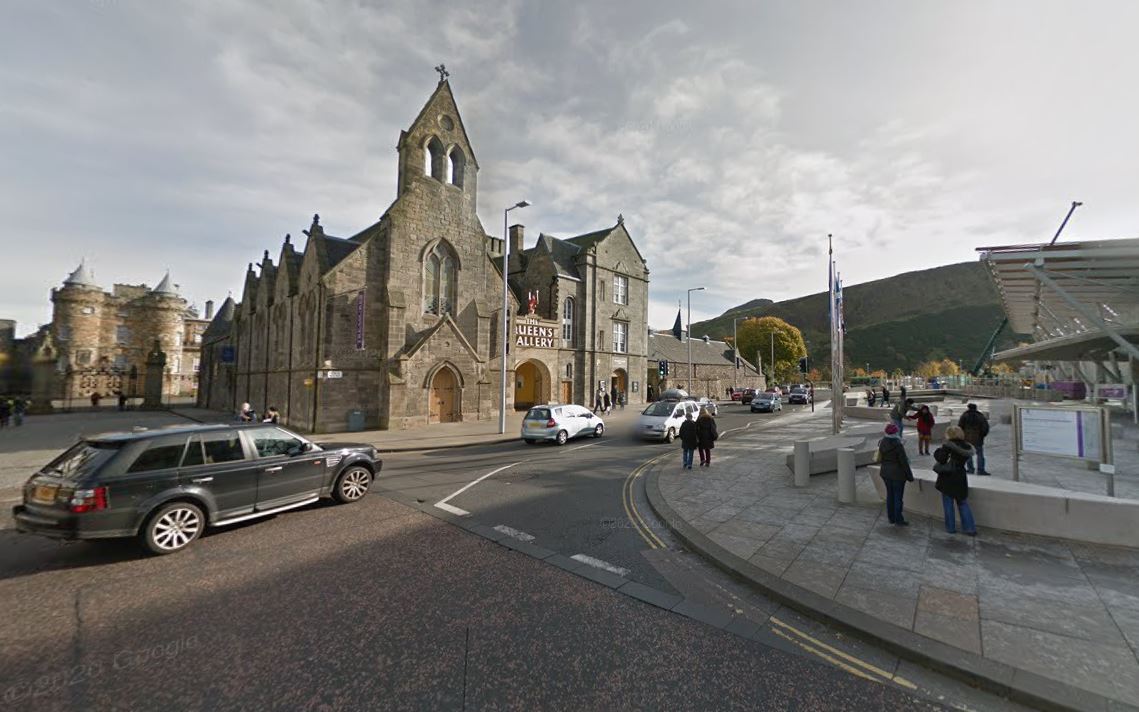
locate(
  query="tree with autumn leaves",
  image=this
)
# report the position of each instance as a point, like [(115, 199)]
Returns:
[(755, 342)]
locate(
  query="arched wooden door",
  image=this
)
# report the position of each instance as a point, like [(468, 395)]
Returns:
[(444, 397)]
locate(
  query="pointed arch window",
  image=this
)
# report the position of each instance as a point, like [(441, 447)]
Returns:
[(434, 158), (456, 165), (568, 310), (440, 280)]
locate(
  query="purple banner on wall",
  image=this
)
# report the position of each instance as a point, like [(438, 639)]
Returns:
[(360, 321)]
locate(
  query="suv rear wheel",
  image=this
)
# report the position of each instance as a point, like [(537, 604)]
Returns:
[(173, 527)]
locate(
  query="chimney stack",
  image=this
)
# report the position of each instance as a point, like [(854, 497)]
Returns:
[(209, 309), (517, 233)]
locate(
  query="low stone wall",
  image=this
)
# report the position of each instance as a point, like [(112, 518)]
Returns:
[(1031, 509), (824, 453)]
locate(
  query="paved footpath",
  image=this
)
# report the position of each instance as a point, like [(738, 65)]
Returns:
[(1056, 619)]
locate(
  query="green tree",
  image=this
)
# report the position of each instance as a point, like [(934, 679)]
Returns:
[(755, 337)]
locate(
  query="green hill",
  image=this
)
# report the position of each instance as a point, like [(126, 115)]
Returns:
[(896, 322)]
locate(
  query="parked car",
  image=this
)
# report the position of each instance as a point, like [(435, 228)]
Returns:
[(799, 395), (747, 395), (167, 486), (766, 403), (707, 403), (661, 420), (737, 394), (774, 389), (560, 423)]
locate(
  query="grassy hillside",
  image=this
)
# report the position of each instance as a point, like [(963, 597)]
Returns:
[(896, 322)]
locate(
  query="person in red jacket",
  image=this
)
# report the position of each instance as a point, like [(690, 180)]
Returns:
[(925, 429)]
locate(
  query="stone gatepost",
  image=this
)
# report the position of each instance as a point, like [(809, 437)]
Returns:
[(45, 379), (155, 376)]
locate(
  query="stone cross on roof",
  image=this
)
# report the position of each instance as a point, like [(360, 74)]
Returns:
[(443, 73)]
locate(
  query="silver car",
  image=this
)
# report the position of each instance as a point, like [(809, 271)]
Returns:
[(560, 423), (709, 404)]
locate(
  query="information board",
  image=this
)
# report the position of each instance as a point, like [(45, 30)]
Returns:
[(1066, 432)]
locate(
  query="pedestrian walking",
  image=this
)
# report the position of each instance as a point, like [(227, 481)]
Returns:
[(925, 428), (895, 472), (871, 397), (952, 482), (122, 401), (976, 427), (902, 412), (271, 415), (689, 440), (614, 396), (606, 403), (95, 399), (707, 436), (246, 413), (902, 391), (885, 396), (19, 409), (5, 412)]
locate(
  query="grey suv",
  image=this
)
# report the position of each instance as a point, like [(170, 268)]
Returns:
[(166, 486)]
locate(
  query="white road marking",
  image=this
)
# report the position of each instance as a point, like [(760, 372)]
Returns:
[(581, 446), (453, 510), (512, 532), (598, 563), (442, 504)]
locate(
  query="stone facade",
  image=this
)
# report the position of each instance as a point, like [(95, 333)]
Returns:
[(714, 368), (100, 340), (399, 325)]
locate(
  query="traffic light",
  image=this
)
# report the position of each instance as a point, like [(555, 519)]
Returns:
[(662, 368), (803, 365)]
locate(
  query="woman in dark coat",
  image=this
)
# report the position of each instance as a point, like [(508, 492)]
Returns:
[(689, 441), (895, 473), (952, 482), (707, 435)]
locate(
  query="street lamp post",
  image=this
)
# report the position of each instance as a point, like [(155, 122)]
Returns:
[(736, 348), (505, 309), (690, 291)]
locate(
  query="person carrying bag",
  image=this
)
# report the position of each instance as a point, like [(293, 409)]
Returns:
[(952, 482)]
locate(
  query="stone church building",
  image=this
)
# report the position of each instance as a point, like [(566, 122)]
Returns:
[(399, 326)]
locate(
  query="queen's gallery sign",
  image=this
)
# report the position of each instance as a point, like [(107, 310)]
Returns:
[(535, 334)]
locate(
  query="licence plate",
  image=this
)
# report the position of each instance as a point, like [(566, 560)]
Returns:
[(535, 425), (44, 494)]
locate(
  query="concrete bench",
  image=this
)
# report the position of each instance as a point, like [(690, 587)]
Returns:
[(824, 453), (1030, 509), (865, 412)]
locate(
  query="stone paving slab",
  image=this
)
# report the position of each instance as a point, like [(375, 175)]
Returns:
[(1061, 618)]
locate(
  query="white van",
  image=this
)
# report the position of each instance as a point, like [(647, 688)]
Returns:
[(662, 419)]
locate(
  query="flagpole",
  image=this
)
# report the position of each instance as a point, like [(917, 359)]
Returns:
[(836, 376)]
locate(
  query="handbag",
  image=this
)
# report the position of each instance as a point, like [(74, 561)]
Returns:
[(943, 468)]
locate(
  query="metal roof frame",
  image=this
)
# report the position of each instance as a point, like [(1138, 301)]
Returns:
[(1071, 293)]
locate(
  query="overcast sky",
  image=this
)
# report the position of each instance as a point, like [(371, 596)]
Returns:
[(733, 136)]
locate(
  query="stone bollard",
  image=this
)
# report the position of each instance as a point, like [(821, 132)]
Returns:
[(802, 463), (846, 475)]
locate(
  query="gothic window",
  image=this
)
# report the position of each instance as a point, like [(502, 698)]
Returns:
[(439, 280), (122, 334), (456, 164), (620, 289), (83, 358), (433, 157), (567, 322), (569, 370), (620, 337), (601, 291)]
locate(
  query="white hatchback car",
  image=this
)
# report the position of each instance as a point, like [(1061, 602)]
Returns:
[(661, 420), (560, 423)]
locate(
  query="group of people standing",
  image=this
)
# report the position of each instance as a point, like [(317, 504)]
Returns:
[(872, 396), (953, 460), (248, 415), (12, 411), (698, 434), (605, 402)]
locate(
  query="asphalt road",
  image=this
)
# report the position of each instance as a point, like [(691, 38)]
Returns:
[(378, 606)]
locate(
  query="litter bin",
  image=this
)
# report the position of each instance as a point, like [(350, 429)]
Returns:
[(355, 421)]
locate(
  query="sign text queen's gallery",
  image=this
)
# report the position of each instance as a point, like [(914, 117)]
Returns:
[(532, 333)]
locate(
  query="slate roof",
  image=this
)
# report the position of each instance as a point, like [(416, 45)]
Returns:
[(165, 286), (562, 254), (219, 325), (337, 248), (663, 346), (82, 276)]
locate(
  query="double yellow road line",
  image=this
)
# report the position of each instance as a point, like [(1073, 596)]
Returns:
[(843, 661), (630, 505)]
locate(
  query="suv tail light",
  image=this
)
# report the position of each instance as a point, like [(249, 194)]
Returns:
[(551, 423), (88, 500)]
